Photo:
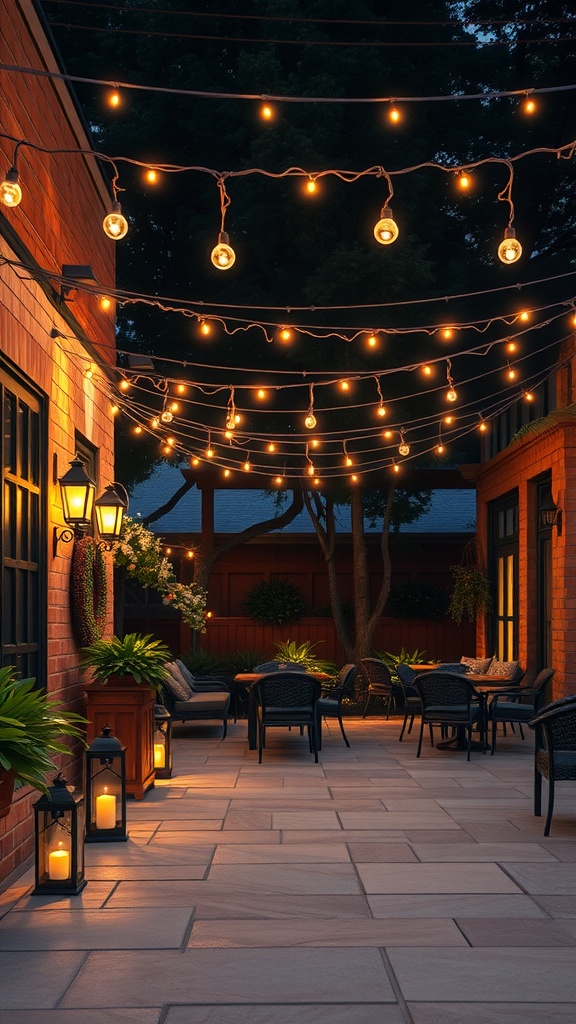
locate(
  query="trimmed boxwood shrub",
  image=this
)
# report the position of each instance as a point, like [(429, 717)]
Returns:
[(275, 602)]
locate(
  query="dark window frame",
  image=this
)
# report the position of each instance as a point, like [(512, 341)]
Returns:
[(504, 549)]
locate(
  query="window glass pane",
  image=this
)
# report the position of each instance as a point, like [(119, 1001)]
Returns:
[(9, 432), (9, 602), (10, 520), (500, 586), (34, 449), (23, 440)]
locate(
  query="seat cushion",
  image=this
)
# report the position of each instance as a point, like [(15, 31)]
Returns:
[(203, 702), (327, 706), (513, 711)]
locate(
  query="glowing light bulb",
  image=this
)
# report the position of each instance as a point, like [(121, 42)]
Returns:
[(228, 434), (311, 186), (451, 395), (344, 385), (10, 191), (167, 551), (278, 480), (181, 389), (512, 373), (316, 481), (209, 453), (387, 434), (354, 478), (267, 112), (138, 430), (271, 447), (261, 394), (154, 423), (247, 466), (449, 420), (348, 461), (171, 441), (166, 450), (205, 328), (226, 472), (166, 416), (427, 371), (190, 553), (223, 255), (440, 449), (529, 106), (114, 409), (511, 346), (372, 340), (396, 467), (529, 396), (573, 319), (381, 410), (237, 418), (403, 448), (310, 470), (151, 176), (105, 303), (394, 115), (124, 385), (509, 250), (114, 99), (115, 224), (89, 372), (482, 427), (194, 462), (524, 316), (447, 333), (386, 229), (464, 181), (285, 334), (315, 442)]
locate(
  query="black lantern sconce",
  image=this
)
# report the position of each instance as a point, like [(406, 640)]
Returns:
[(106, 789), (550, 514), (162, 742), (59, 832), (110, 508), (77, 490)]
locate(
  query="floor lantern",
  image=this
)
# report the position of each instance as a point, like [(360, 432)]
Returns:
[(106, 789), (162, 742), (59, 832)]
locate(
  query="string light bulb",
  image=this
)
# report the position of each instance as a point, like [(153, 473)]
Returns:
[(154, 423), (511, 373), (427, 370), (151, 176), (403, 447), (209, 453), (285, 335), (10, 191), (381, 410), (311, 186), (278, 480), (267, 112), (124, 385), (464, 181), (528, 396), (372, 340), (482, 426), (386, 229), (440, 449), (166, 416), (114, 99), (529, 106), (451, 395), (247, 467), (223, 255), (271, 447), (105, 303), (261, 394), (310, 421), (394, 114), (509, 250), (115, 224), (138, 429)]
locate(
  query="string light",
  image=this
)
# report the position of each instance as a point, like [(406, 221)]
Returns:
[(10, 190), (386, 229), (451, 394), (151, 176), (285, 335), (509, 250), (247, 467), (372, 340), (267, 112), (115, 224), (427, 370), (482, 426), (394, 115), (105, 303), (311, 186), (511, 373), (223, 256), (464, 181), (114, 99), (529, 106), (403, 447), (262, 394), (205, 328), (528, 396)]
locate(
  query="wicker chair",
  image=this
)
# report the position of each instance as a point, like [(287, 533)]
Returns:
[(449, 699), (412, 699), (287, 699), (518, 706), (555, 751), (378, 682), (330, 703)]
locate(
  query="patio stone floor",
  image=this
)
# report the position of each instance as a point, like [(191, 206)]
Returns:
[(372, 888)]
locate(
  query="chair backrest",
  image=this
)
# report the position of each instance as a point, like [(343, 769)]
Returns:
[(453, 666), (279, 666), (407, 677), (540, 685), (287, 690), (556, 723), (444, 689), (375, 671), (345, 678)]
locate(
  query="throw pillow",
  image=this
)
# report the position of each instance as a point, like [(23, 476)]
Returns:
[(502, 668), (176, 683), (478, 665), (186, 674)]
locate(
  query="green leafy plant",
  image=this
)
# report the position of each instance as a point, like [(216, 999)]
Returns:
[(204, 663), (417, 599), (405, 657), (303, 654), (243, 661), (31, 727), (471, 594), (275, 602), (138, 655)]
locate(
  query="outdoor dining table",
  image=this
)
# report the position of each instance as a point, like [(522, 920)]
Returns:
[(484, 685), (248, 679)]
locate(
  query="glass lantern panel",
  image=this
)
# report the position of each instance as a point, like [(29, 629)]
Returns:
[(55, 847), (105, 793)]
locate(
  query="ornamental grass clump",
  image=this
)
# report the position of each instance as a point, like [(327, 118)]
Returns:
[(32, 728), (138, 655)]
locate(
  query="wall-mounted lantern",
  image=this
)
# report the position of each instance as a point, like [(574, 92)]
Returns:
[(77, 490), (59, 832), (110, 508), (550, 514)]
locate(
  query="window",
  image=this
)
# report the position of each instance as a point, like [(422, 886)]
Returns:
[(23, 544), (504, 547)]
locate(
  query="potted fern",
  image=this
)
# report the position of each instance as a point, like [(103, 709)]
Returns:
[(127, 673), (32, 727)]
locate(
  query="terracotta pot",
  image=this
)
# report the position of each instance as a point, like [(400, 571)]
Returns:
[(6, 791)]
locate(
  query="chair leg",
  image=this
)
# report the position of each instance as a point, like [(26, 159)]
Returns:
[(537, 793), (494, 728), (260, 741), (431, 735), (344, 736), (550, 806), (403, 727), (366, 704), (520, 727), (411, 724), (420, 738), (225, 728)]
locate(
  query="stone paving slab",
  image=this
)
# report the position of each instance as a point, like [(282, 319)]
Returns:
[(436, 878), (231, 976), (346, 932), (455, 905), (481, 975), (114, 1015), (548, 879), (289, 853), (328, 1014), (487, 852), (36, 980), (491, 1013), (95, 929), (284, 879), (500, 931)]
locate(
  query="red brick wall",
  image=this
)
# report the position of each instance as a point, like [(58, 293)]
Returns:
[(59, 221), (553, 450)]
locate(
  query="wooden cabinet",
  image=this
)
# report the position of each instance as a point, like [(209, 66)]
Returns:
[(128, 708)]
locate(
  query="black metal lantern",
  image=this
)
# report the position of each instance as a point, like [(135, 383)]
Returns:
[(162, 742), (59, 828), (106, 789), (78, 490), (110, 508)]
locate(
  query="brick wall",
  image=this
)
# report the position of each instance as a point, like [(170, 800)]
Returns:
[(59, 221)]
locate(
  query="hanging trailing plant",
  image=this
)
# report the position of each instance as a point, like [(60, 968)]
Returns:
[(88, 591), (471, 593), (139, 552)]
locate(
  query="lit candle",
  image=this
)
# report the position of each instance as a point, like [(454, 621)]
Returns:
[(159, 755), (106, 810), (59, 864)]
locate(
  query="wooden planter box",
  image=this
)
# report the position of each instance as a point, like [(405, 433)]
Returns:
[(128, 708), (6, 792)]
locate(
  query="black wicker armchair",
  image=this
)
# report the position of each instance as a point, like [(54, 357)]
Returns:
[(378, 680), (555, 751), (287, 699), (518, 706), (330, 703), (449, 699)]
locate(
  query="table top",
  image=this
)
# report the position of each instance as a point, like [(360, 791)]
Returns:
[(482, 678), (424, 668), (252, 677)]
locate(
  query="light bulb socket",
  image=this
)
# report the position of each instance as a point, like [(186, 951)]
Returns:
[(12, 176)]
